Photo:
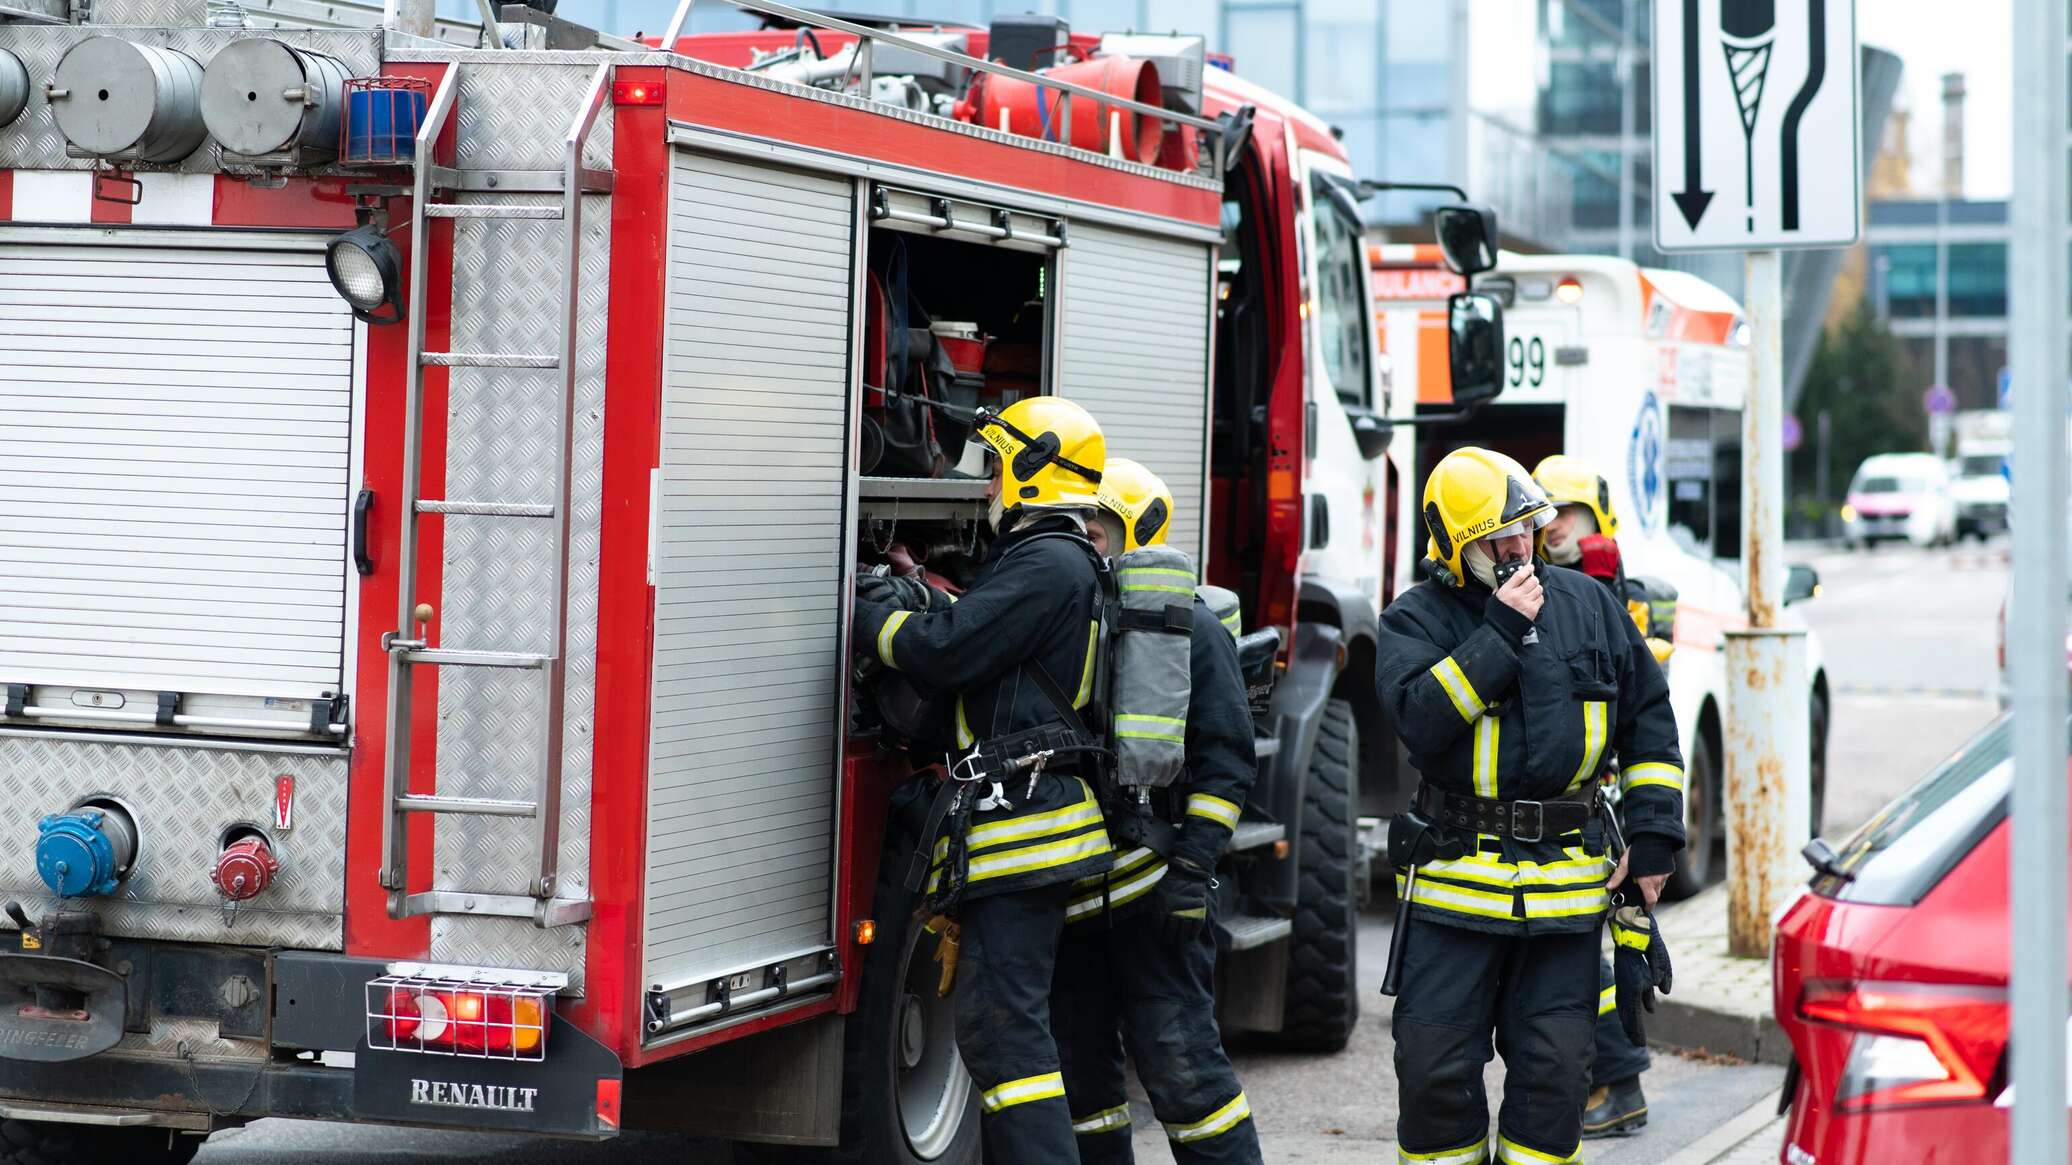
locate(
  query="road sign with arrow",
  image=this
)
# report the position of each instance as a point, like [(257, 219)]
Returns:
[(1756, 126)]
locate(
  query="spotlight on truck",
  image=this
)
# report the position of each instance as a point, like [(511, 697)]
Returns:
[(366, 272)]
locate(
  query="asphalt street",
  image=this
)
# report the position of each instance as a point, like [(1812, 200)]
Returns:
[(1908, 637)]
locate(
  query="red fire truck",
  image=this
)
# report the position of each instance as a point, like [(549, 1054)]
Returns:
[(438, 469)]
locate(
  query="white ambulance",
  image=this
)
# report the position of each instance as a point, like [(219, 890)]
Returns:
[(1641, 372)]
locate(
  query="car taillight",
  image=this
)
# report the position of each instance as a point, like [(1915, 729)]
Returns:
[(456, 1017), (1914, 1043)]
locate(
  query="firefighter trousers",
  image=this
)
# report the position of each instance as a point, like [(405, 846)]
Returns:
[(1537, 996), (1006, 955), (1118, 986), (1617, 1059)]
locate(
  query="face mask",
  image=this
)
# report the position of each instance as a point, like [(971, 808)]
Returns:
[(1480, 563)]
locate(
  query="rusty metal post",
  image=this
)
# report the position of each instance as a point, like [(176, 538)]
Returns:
[(1768, 798)]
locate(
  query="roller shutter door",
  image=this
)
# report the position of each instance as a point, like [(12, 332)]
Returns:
[(175, 445), (750, 567), (1136, 350)]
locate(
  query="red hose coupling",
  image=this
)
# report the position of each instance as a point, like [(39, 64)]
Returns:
[(244, 869)]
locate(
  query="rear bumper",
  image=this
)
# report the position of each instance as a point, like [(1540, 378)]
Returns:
[(1945, 1135), (309, 1008)]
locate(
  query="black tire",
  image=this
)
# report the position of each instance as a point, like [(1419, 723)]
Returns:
[(1703, 835), (1323, 994), (47, 1143), (1816, 724), (876, 1129)]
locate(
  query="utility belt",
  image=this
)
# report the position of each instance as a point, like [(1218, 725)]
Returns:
[(1516, 820)]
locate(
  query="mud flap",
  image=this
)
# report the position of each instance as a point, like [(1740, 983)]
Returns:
[(573, 1092), (54, 1009)]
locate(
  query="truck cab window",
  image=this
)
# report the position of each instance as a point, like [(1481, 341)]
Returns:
[(1340, 305), (1702, 466)]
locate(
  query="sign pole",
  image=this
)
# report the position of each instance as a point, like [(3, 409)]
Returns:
[(1768, 799), (2035, 657)]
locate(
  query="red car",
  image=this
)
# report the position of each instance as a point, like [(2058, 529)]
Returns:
[(1890, 975)]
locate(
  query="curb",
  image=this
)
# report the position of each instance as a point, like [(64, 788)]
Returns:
[(1692, 1027)]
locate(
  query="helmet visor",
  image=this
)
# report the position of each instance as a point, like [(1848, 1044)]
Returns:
[(1525, 525)]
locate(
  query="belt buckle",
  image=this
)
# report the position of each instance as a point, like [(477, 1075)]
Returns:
[(1518, 818)]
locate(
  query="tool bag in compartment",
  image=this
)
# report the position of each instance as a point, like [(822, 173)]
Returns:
[(1152, 678)]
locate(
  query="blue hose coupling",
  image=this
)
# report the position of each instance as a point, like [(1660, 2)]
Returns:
[(84, 852)]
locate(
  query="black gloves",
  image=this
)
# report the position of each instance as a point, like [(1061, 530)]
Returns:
[(1180, 904), (904, 593), (1640, 967)]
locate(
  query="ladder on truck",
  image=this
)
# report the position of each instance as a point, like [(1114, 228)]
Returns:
[(407, 651)]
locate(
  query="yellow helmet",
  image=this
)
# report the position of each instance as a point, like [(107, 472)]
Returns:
[(1478, 493), (1051, 452), (1140, 498), (1569, 481)]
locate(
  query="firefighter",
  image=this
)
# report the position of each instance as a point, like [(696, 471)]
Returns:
[(1016, 822), (1583, 515), (1509, 683), (1137, 962)]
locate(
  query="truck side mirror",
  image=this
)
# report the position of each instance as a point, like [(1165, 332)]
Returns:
[(1467, 236), (1800, 582), (1370, 432), (1475, 348)]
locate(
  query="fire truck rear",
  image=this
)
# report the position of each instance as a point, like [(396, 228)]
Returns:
[(440, 456)]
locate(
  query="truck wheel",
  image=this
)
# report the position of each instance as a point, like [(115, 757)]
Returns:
[(1323, 998), (1702, 830), (1817, 730), (906, 1098), (49, 1143)]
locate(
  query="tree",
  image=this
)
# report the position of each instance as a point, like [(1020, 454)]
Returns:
[(1867, 384)]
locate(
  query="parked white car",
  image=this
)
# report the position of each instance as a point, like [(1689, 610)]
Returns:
[(1978, 488), (1900, 496)]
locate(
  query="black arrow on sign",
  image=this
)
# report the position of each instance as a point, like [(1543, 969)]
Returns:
[(1693, 198), (1816, 72)]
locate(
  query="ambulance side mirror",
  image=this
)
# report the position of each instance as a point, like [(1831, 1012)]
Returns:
[(1801, 582), (1467, 236), (1475, 348)]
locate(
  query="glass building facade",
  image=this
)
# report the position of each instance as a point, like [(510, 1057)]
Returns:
[(1938, 275)]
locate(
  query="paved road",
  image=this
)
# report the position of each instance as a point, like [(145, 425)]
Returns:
[(1909, 638)]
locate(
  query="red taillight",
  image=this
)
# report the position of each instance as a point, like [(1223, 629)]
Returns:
[(457, 1019), (637, 92), (1915, 1043)]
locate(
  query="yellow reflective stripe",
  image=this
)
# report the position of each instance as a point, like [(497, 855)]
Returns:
[(1466, 700), (1492, 870), (1234, 622), (1564, 903), (885, 634), (1630, 938), (1086, 672), (1132, 726), (1652, 773), (1125, 865), (1215, 1124), (1486, 736), (1049, 856), (1510, 1152), (1022, 1091), (1161, 572), (964, 737), (1593, 742), (1086, 811), (1458, 899), (1607, 1001), (1107, 1120), (1154, 587), (1214, 808), (1088, 903), (1474, 1154)]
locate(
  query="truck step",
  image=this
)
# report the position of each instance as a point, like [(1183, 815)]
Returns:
[(461, 657), (1247, 931), (489, 360), (486, 509), (1254, 834), (489, 210), (475, 806), (1266, 747)]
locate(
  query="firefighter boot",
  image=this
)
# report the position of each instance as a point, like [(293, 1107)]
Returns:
[(1005, 962), (1618, 1109)]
